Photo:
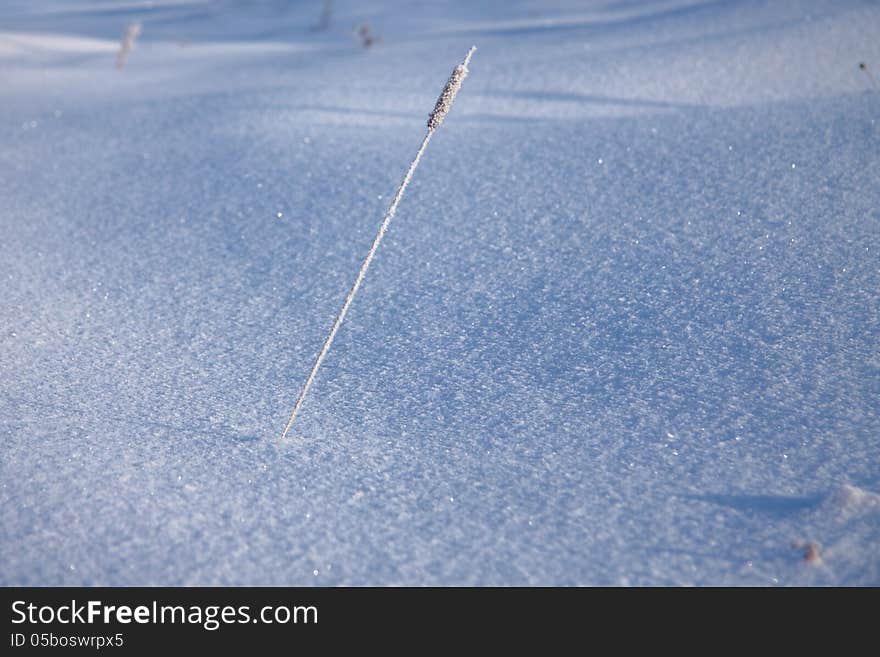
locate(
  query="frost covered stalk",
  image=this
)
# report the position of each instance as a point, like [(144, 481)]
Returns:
[(444, 103), (129, 34)]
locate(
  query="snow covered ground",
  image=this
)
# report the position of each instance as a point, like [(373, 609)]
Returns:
[(625, 328)]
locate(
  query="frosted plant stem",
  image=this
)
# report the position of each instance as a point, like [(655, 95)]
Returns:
[(357, 283), (434, 121)]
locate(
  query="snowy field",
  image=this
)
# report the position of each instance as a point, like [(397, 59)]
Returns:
[(625, 328)]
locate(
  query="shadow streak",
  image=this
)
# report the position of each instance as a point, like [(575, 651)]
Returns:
[(778, 505)]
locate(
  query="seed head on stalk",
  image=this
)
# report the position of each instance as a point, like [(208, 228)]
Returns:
[(444, 102), (441, 109)]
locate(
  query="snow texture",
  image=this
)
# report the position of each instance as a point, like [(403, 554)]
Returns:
[(624, 329)]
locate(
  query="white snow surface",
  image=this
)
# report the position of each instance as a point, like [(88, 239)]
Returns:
[(623, 330)]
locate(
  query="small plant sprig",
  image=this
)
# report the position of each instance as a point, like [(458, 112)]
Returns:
[(435, 119), (366, 37)]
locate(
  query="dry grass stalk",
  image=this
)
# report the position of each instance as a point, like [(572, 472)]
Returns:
[(444, 103)]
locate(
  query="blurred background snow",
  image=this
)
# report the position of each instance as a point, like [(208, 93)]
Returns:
[(623, 330)]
